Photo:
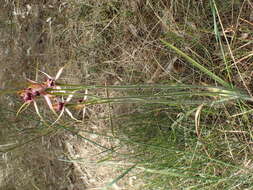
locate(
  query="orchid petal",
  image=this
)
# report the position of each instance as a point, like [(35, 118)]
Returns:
[(49, 103), (23, 108), (71, 115), (60, 115), (84, 99), (59, 73), (86, 93), (37, 111), (48, 76), (84, 111), (32, 81), (70, 96)]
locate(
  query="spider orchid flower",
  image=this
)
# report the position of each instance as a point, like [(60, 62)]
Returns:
[(36, 89), (28, 96), (51, 81), (60, 106)]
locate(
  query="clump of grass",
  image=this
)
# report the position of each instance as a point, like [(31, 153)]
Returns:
[(193, 147), (176, 154), (174, 141)]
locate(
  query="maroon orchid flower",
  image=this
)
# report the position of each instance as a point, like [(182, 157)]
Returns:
[(60, 106), (35, 89)]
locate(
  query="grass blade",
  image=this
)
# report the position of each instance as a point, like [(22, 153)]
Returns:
[(119, 177), (197, 65)]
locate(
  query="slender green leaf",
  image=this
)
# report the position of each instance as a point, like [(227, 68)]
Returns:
[(197, 65)]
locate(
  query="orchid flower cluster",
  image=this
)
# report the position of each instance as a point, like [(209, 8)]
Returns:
[(56, 104)]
